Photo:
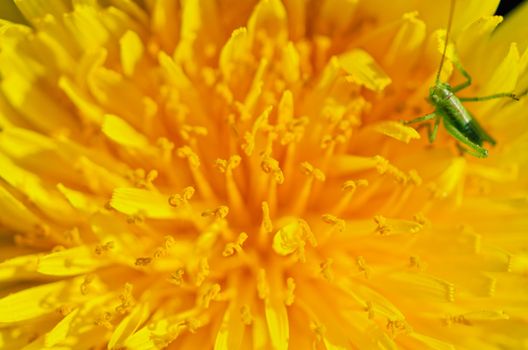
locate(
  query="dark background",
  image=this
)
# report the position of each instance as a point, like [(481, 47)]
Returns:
[(507, 5)]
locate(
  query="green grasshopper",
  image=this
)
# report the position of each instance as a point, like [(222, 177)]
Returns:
[(448, 107)]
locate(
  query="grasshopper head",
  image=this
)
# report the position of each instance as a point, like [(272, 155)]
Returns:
[(439, 92)]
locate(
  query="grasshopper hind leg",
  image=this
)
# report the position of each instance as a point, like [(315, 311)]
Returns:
[(479, 154), (473, 148)]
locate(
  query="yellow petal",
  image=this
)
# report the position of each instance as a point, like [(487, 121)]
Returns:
[(191, 24), (19, 268), (32, 100), (69, 262), (121, 97), (173, 72), (380, 304), (99, 176), (82, 100), (450, 181), (131, 52), (166, 23), (231, 330), (423, 341), (344, 165), (235, 52), (21, 142), (30, 185), (14, 214), (476, 35), (278, 325), (79, 200), (122, 133), (404, 46), (396, 130), (159, 333), (291, 64), (36, 9), (41, 300), (505, 75), (61, 330), (269, 16), (85, 24), (514, 28), (132, 201), (128, 326), (334, 16), (363, 70)]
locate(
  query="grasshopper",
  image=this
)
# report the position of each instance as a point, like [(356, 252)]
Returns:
[(457, 120)]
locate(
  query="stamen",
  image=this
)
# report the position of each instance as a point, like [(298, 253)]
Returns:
[(349, 187), (236, 247), (144, 180), (326, 269), (208, 294), (100, 250), (302, 199), (137, 218), (469, 318), (319, 330), (290, 288), (203, 271), (88, 279), (260, 123), (416, 262), (382, 226), (166, 148), (369, 308), (262, 285), (189, 133), (492, 286), (363, 267), (255, 89), (199, 177), (266, 226), (337, 223), (176, 278), (127, 300), (104, 320), (271, 166), (245, 314), (235, 198), (217, 213), (396, 327), (64, 310), (143, 261), (177, 200), (73, 237)]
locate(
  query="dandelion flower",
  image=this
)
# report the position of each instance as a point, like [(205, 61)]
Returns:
[(235, 175)]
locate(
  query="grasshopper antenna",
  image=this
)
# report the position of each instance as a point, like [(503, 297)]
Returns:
[(449, 22)]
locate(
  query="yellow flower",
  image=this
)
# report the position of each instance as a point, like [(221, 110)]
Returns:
[(234, 175)]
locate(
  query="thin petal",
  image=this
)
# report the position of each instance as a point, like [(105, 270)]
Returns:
[(363, 70), (69, 262), (278, 324)]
